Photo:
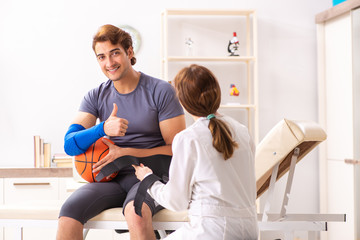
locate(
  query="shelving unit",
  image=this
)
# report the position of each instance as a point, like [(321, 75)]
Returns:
[(213, 29)]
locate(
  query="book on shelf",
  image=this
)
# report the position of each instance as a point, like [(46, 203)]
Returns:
[(42, 152), (62, 160), (61, 157), (36, 151), (47, 155), (64, 165)]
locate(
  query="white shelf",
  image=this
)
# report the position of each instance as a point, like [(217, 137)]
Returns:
[(238, 105), (199, 24), (209, 12), (209, 59)]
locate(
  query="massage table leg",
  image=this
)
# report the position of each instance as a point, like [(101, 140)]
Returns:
[(162, 233), (289, 182), (270, 192), (287, 189), (85, 233)]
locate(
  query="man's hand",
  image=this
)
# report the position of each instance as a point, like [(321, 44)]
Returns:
[(115, 126), (114, 153), (141, 171)]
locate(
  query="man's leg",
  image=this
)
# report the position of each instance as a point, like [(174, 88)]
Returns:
[(139, 227), (85, 203), (69, 228)]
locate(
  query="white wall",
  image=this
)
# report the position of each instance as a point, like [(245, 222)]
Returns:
[(47, 65)]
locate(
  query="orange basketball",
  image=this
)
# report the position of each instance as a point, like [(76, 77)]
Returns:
[(85, 161)]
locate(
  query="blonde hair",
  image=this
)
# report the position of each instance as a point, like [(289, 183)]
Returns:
[(199, 92)]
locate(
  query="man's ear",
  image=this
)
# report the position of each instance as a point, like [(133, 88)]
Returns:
[(130, 52)]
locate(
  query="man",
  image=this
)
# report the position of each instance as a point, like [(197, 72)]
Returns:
[(141, 114)]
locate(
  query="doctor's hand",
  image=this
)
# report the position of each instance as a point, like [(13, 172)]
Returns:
[(141, 171), (115, 126)]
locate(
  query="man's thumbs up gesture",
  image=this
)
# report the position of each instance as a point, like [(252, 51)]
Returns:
[(115, 126)]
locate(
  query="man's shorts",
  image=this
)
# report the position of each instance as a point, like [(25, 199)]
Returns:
[(93, 198)]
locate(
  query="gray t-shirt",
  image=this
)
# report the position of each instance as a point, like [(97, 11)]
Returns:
[(152, 101)]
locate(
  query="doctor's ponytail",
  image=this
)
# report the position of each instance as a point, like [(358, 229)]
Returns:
[(199, 92)]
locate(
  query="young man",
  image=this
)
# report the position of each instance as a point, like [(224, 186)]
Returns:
[(141, 114)]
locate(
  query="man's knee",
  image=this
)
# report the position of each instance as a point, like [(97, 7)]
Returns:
[(63, 220), (135, 220), (69, 228)]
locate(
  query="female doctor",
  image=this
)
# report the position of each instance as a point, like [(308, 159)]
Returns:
[(212, 172)]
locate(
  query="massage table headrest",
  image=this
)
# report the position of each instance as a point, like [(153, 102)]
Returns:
[(278, 146)]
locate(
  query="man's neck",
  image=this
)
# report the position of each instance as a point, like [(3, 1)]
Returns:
[(129, 83)]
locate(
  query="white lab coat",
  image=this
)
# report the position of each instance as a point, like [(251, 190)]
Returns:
[(219, 195)]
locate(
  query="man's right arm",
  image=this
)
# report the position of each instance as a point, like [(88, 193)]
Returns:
[(87, 120), (82, 133)]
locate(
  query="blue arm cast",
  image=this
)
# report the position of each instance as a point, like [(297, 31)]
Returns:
[(78, 139)]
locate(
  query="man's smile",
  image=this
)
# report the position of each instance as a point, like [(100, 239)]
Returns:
[(113, 70)]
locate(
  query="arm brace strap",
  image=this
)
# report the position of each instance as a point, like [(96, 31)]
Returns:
[(78, 139)]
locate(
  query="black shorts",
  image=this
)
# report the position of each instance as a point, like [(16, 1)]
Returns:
[(93, 198)]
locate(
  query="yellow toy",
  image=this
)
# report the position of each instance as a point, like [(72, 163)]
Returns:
[(233, 90)]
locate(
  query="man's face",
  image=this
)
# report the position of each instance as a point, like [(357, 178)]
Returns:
[(114, 61)]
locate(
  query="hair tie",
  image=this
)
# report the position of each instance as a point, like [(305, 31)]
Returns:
[(210, 116)]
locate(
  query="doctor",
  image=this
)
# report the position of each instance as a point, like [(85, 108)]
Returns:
[(212, 173)]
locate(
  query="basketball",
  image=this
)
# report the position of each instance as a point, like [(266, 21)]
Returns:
[(85, 161)]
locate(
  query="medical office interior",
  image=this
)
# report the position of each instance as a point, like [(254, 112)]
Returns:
[(298, 60)]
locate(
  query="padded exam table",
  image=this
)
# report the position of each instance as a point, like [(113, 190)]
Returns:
[(277, 154)]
